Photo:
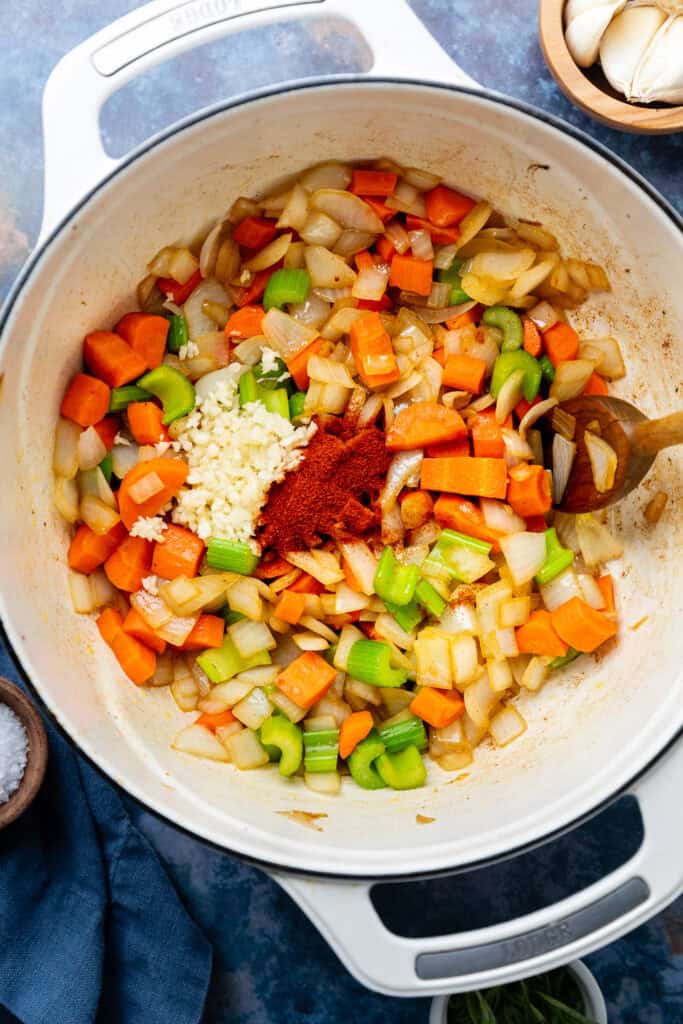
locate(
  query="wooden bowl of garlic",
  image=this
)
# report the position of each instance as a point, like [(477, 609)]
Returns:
[(619, 60)]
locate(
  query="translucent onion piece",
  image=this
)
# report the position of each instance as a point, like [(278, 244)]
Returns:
[(151, 608), (562, 588), (423, 181), (509, 395), (605, 353), (590, 591), (81, 594), (507, 725), (571, 378), (67, 498), (361, 562), (487, 290), (439, 316), (254, 709), (321, 565), (392, 525), (407, 199), (285, 334), (480, 700), (352, 241), (177, 629), (398, 236), (327, 270), (371, 283), (198, 322), (499, 516), (314, 312), (563, 453), (444, 256), (534, 414), (543, 315), (536, 673), (537, 236), (340, 322), (310, 642), (208, 254), (327, 371), (502, 266), (98, 516), (319, 229), (295, 211), (270, 254), (403, 466), (245, 750), (328, 175), (347, 209), (325, 783), (124, 457), (532, 277), (421, 244), (473, 222), (201, 742), (65, 460), (244, 597), (524, 554), (603, 460), (251, 637)]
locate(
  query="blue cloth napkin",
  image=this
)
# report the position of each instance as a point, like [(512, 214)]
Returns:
[(91, 929)]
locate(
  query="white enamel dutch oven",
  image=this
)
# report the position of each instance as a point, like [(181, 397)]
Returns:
[(602, 729)]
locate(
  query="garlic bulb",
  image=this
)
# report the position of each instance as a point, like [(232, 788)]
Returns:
[(586, 21), (659, 77), (625, 41)]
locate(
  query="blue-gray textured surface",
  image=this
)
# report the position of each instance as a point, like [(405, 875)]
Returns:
[(272, 967)]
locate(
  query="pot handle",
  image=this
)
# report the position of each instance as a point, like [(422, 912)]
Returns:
[(594, 917), (75, 160)]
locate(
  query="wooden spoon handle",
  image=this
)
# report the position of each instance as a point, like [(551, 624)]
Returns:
[(650, 436)]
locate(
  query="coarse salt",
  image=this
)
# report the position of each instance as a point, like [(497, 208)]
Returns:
[(13, 752)]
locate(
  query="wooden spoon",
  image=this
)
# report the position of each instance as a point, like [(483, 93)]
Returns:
[(635, 439)]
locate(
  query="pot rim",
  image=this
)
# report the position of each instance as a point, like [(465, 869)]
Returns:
[(328, 82)]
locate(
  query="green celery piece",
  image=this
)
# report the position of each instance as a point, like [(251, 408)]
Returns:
[(175, 392), (453, 278), (177, 333), (249, 390), (321, 748), (395, 582), (121, 398), (271, 380), (404, 770), (224, 662), (557, 558), (287, 286), (564, 659), (430, 598), (509, 323), (231, 617), (408, 616), (361, 762), (230, 556), (278, 731), (296, 404), (370, 661), (507, 363), (275, 401), (106, 465), (399, 735), (459, 557), (547, 369)]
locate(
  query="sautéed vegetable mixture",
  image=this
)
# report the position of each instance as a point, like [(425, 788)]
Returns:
[(311, 481)]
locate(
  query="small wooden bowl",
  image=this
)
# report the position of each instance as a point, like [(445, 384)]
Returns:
[(37, 752), (590, 90)]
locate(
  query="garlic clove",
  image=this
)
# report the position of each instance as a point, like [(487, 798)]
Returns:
[(659, 76), (624, 44), (586, 23)]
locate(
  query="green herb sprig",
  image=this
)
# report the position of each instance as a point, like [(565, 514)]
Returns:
[(552, 998)]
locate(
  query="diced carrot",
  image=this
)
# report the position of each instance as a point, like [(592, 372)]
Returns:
[(385, 247), (129, 564), (364, 260), (596, 385), (245, 322), (372, 351), (448, 449), (472, 316), (178, 554), (383, 211), (466, 373), (146, 334), (135, 625), (177, 292), (298, 364), (373, 183), (424, 423), (440, 355), (532, 338), (112, 359), (306, 679), (350, 577), (253, 292), (88, 549), (290, 607), (107, 429), (537, 636), (207, 631), (561, 342), (86, 400), (353, 729), (536, 524), (465, 517), (484, 478), (306, 584), (375, 304), (529, 491), (215, 721), (173, 474), (522, 407), (254, 232), (411, 275), (109, 623), (442, 236), (417, 508), (487, 437), (270, 570), (581, 626), (137, 661), (446, 207), (437, 707), (606, 584), (145, 422)]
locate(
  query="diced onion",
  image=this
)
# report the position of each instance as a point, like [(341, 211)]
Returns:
[(177, 629), (543, 315), (327, 175), (243, 208), (91, 449), (81, 593), (347, 638), (201, 742), (534, 414), (313, 312), (501, 266), (208, 254), (407, 199), (352, 241), (198, 322), (184, 688), (603, 460), (398, 236), (590, 591), (499, 516), (421, 244), (403, 466), (310, 641), (507, 725), (163, 674), (270, 254), (151, 608), (285, 334), (532, 277), (123, 458), (251, 637), (66, 454), (570, 379), (524, 554), (254, 709), (562, 588), (606, 355), (473, 222), (327, 371), (244, 597), (319, 229), (98, 516), (595, 540), (102, 590), (361, 562), (480, 700), (327, 270), (67, 498), (347, 209), (321, 565), (326, 783), (563, 453), (371, 283), (509, 395), (295, 211), (536, 673), (438, 316), (423, 181), (245, 750)]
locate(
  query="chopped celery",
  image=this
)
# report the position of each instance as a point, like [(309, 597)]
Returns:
[(557, 558), (106, 465), (507, 363), (321, 748), (175, 392), (509, 323), (429, 597), (271, 380), (121, 398), (278, 731), (547, 369), (296, 404), (397, 735), (564, 659), (459, 557), (177, 333), (286, 286), (361, 762), (275, 401), (230, 556), (224, 662), (370, 662), (404, 770), (231, 617), (408, 616), (453, 278), (248, 388), (394, 582)]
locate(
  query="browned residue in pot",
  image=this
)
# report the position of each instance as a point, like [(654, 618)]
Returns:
[(306, 818), (423, 819)]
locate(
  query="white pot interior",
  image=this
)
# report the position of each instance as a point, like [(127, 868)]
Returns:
[(593, 727)]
